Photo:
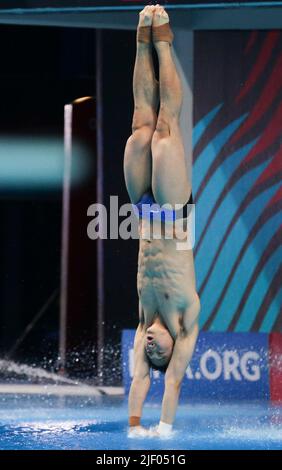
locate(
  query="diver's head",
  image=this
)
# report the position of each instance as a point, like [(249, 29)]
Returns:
[(158, 345)]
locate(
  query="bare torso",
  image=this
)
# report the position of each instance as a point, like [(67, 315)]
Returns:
[(165, 281)]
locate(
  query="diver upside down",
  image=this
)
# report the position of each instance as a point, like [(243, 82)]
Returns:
[(155, 164)]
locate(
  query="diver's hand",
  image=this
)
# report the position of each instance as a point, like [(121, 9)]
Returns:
[(154, 431), (161, 430), (137, 432)]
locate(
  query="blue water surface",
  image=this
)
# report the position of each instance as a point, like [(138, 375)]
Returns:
[(44, 422)]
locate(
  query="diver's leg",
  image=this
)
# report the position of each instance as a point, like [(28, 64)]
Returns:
[(137, 156), (170, 182)]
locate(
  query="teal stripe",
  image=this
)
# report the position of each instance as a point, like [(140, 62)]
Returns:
[(272, 313), (228, 257), (201, 126), (218, 182), (259, 290), (211, 151), (241, 278), (223, 217)]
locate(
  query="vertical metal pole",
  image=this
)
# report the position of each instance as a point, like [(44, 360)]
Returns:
[(65, 234), (100, 192)]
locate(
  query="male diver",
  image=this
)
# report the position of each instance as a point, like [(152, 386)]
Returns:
[(155, 172)]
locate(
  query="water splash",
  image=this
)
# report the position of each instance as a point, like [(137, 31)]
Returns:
[(10, 367)]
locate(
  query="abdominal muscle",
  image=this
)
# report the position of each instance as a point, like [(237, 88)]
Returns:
[(165, 281)]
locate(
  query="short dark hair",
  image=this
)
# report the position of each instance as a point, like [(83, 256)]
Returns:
[(159, 368)]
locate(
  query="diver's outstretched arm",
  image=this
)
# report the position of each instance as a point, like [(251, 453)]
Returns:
[(181, 356), (140, 383)]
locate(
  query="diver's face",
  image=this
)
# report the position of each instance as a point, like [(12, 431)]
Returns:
[(159, 344)]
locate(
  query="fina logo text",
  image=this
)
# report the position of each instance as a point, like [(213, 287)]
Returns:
[(230, 365)]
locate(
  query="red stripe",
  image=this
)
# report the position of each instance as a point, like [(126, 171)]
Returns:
[(277, 197), (252, 39), (275, 349), (273, 168), (260, 64), (272, 131), (267, 96)]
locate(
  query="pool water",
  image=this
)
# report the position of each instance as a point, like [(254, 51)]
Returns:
[(73, 423)]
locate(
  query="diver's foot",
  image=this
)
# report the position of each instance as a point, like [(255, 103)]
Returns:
[(144, 28), (161, 29)]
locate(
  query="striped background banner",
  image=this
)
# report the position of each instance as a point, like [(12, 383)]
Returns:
[(237, 155)]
